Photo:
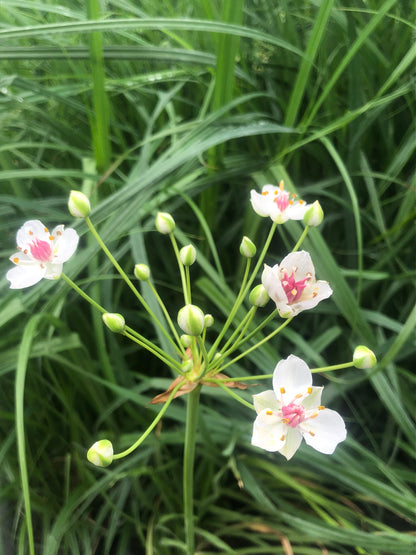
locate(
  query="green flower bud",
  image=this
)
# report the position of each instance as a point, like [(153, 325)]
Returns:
[(191, 319), (209, 320), (101, 453), (115, 322), (187, 366), (314, 215), (142, 272), (164, 223), (258, 296), (187, 255), (364, 358), (78, 204), (186, 340), (247, 248)]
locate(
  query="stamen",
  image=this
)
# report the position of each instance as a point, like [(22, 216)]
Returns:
[(51, 237), (281, 185), (309, 390), (25, 251), (46, 230), (285, 420), (282, 437), (282, 390), (15, 259), (311, 433), (298, 395), (59, 233), (301, 201), (269, 412), (321, 407), (30, 232)]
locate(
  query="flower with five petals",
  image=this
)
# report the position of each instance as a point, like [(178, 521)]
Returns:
[(292, 284), (277, 203), (293, 411), (41, 253)]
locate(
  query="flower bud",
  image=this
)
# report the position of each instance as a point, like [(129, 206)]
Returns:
[(78, 204), (187, 365), (364, 358), (191, 319), (186, 340), (258, 296), (142, 272), (314, 215), (101, 453), (164, 223), (209, 320), (247, 248), (115, 322), (187, 255)]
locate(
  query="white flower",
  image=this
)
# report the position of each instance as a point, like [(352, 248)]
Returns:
[(275, 202), (41, 253), (292, 284), (293, 411)]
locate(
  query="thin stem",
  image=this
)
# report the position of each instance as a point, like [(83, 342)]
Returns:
[(334, 367), (257, 345), (151, 427), (230, 392), (181, 269), (152, 348), (301, 239), (129, 283), (81, 292), (188, 468)]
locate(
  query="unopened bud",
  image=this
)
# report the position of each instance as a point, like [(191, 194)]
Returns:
[(258, 296), (314, 215), (209, 320), (186, 340), (364, 358), (187, 255), (79, 205), (101, 453), (247, 247), (115, 322), (191, 319), (164, 223), (142, 272)]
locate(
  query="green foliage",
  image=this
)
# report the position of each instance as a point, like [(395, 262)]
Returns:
[(320, 94)]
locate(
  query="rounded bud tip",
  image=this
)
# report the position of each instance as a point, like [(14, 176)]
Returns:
[(101, 453), (364, 358), (79, 205), (314, 215), (209, 320), (142, 272), (187, 255), (258, 296), (115, 322), (247, 247), (165, 224), (191, 320)]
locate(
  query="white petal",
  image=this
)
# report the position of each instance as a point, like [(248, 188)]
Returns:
[(270, 279), (296, 211), (262, 204), (293, 440), (266, 400), (64, 245), (293, 375), (328, 430), (25, 275), (302, 261), (322, 291), (53, 271), (268, 431), (313, 400), (29, 231)]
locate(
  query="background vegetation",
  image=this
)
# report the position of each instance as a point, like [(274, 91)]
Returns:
[(186, 106)]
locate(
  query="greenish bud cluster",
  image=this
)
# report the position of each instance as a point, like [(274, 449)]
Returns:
[(314, 215), (165, 224), (364, 358), (247, 248), (209, 320), (186, 340), (79, 205), (191, 320), (115, 322), (101, 453), (142, 272), (187, 255)]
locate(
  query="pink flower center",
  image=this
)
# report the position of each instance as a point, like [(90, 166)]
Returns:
[(282, 200), (293, 288), (293, 414), (40, 250)]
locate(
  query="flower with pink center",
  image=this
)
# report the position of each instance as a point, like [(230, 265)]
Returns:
[(277, 203), (41, 253), (292, 284), (292, 411)]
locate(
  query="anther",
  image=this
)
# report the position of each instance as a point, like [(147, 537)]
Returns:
[(51, 237), (321, 407), (311, 433), (282, 390), (282, 437), (15, 260), (269, 412), (309, 390)]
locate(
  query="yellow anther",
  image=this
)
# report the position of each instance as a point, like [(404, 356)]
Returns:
[(281, 185), (311, 433), (290, 202), (15, 260), (321, 407), (46, 230), (30, 232), (282, 437), (59, 233), (294, 291), (309, 390), (298, 395), (269, 412), (51, 237), (301, 201), (265, 193), (282, 390)]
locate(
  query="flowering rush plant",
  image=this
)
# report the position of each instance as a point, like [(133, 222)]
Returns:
[(284, 416)]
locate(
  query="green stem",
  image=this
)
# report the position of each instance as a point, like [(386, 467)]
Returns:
[(152, 348), (130, 283), (230, 392), (186, 296), (332, 368), (81, 292), (188, 468), (151, 427), (301, 239)]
